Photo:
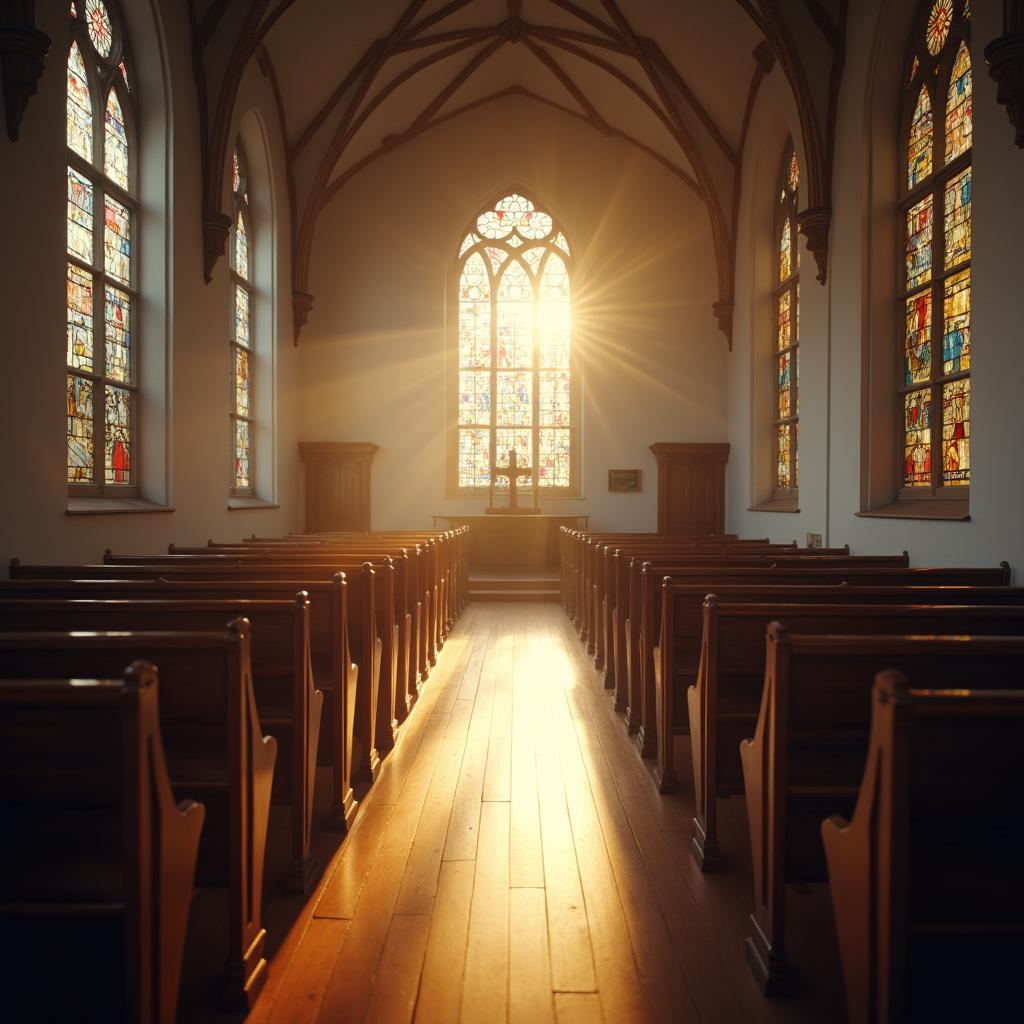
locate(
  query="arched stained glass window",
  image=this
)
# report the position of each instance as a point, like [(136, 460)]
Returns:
[(787, 326), (515, 385), (241, 345), (935, 385), (102, 313)]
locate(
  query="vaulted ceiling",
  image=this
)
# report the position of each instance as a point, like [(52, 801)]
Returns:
[(675, 78)]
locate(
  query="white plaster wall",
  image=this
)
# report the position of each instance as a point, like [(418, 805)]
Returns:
[(830, 502), (374, 351), (194, 476)]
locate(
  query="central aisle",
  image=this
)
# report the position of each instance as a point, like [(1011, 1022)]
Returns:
[(514, 861)]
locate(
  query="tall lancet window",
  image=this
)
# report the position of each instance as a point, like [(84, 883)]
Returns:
[(515, 387), (935, 311), (241, 332), (102, 300), (787, 327)]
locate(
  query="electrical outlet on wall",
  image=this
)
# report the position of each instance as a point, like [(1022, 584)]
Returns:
[(814, 540)]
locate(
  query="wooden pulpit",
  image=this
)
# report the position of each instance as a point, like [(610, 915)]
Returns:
[(337, 484), (691, 488)]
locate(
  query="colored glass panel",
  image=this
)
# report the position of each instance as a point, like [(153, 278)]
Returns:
[(115, 149), (785, 252), (917, 364), (919, 243), (784, 322), (514, 402), (474, 314), (554, 314), (467, 243), (959, 106), (917, 442), (80, 322), (956, 432), (236, 173), (80, 216), (118, 436), (241, 247), (939, 21), (967, 9), (117, 318), (79, 105), (474, 458), (522, 441), (514, 213), (243, 454), (474, 397), (515, 319), (553, 469), (124, 74), (242, 389), (533, 258), (555, 398), (919, 148), (793, 173), (101, 32), (956, 323), (563, 244), (785, 368), (784, 471), (242, 323), (497, 258), (117, 246), (914, 68), (957, 226), (80, 430)]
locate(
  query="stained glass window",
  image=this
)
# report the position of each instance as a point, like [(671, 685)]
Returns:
[(102, 348), (241, 333), (787, 324), (514, 383), (936, 303)]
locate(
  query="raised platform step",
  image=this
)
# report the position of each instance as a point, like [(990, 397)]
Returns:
[(513, 594)]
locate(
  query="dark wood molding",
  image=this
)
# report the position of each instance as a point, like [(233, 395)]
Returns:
[(691, 487), (23, 50), (723, 310), (1005, 59), (337, 484)]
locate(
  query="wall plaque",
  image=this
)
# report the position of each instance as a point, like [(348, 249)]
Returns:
[(623, 479)]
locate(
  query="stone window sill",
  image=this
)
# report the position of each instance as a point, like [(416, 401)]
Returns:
[(234, 504), (112, 506), (777, 505), (950, 510)]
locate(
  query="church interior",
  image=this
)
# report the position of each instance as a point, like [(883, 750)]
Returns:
[(530, 539)]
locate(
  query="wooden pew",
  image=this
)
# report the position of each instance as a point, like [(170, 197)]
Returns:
[(925, 878), (807, 756), (287, 703), (370, 610), (669, 713), (214, 749), (331, 645), (97, 862), (724, 701)]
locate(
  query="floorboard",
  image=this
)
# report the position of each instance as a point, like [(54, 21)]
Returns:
[(515, 861)]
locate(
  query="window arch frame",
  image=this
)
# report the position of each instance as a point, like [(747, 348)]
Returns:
[(786, 206), (245, 284), (932, 72), (105, 75), (462, 254)]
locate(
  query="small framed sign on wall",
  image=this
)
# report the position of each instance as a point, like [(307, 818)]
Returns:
[(623, 479)]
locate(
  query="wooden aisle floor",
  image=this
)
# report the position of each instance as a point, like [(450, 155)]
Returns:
[(515, 862)]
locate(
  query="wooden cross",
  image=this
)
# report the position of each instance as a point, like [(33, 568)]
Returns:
[(513, 473)]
